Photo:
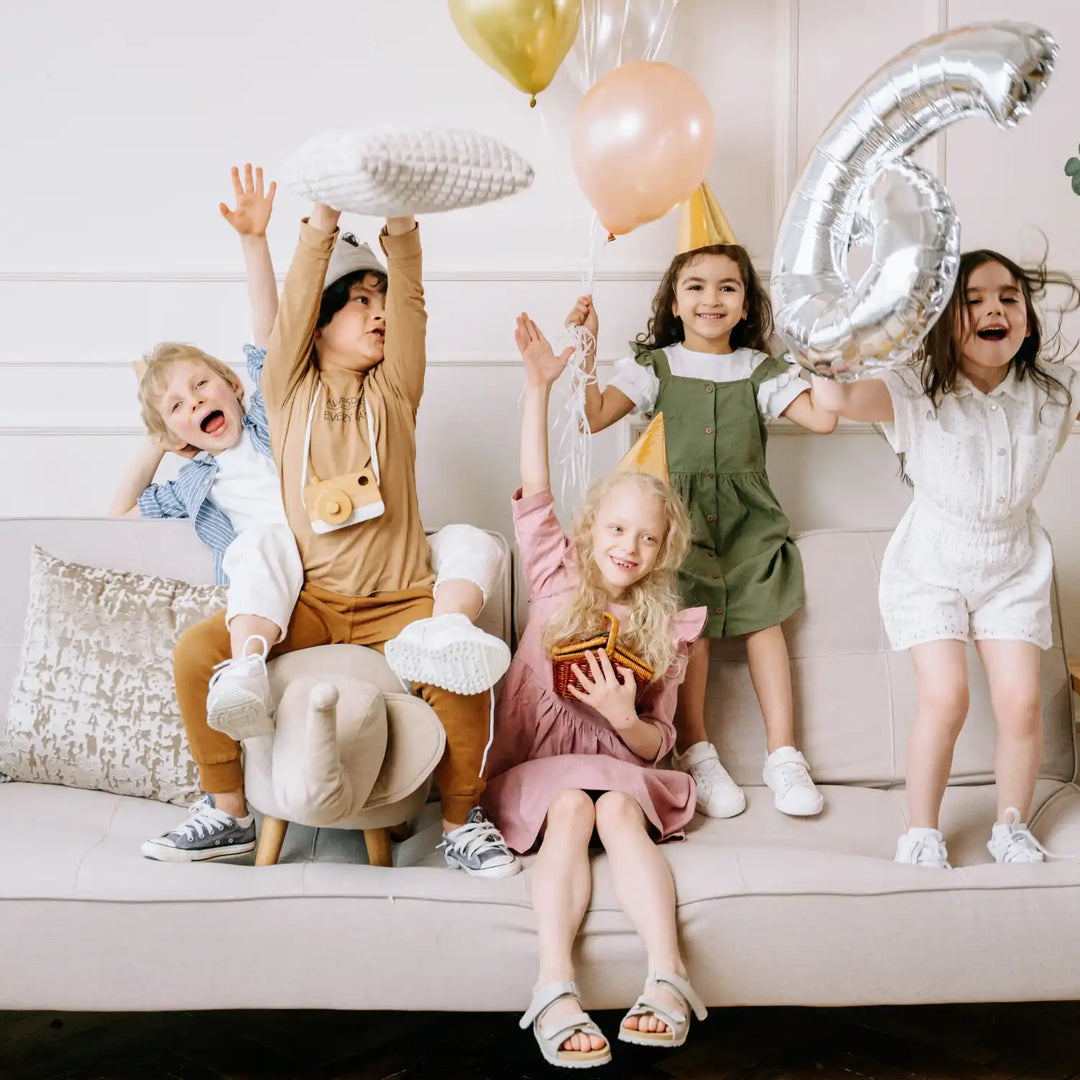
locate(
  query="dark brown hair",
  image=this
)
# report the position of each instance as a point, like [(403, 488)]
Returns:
[(940, 350), (753, 332)]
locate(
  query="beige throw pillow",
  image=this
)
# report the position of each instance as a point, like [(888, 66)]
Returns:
[(93, 703)]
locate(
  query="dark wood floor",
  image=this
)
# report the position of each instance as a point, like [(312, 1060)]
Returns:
[(954, 1042)]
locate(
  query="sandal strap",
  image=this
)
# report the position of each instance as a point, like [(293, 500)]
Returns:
[(647, 1005), (570, 1025), (682, 988), (543, 997)]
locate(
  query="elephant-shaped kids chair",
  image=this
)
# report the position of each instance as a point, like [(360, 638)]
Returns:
[(350, 750)]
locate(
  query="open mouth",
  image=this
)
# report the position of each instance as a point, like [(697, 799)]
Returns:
[(992, 333), (622, 564), (213, 423)]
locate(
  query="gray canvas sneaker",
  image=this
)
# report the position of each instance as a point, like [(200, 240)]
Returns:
[(477, 847), (208, 833)]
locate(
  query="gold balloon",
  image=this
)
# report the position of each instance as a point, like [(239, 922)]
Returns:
[(525, 41)]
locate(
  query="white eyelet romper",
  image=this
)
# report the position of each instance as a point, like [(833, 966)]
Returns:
[(969, 559)]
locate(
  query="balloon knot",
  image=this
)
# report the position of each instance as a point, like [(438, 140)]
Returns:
[(610, 237), (532, 102)]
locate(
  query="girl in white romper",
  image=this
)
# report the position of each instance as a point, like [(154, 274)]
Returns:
[(977, 422)]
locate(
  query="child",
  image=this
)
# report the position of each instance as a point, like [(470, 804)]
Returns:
[(563, 767), (703, 364), (343, 379), (977, 420), (446, 650), (193, 404)]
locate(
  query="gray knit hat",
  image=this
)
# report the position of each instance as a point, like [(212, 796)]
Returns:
[(348, 256)]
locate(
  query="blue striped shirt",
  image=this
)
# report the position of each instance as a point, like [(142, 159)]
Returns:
[(188, 496)]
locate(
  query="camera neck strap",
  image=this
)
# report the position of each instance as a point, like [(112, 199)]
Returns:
[(307, 439)]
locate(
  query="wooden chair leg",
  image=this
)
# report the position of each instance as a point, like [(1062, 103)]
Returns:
[(378, 847), (271, 837)]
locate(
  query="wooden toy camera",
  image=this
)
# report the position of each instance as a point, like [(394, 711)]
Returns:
[(343, 500)]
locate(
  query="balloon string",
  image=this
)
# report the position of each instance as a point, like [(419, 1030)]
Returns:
[(574, 439), (665, 20)]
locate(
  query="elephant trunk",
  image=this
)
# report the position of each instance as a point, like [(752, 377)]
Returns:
[(320, 786)]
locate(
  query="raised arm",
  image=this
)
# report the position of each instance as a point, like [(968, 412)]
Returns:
[(405, 356), (289, 349), (250, 219), (138, 477), (867, 400), (602, 407), (542, 369)]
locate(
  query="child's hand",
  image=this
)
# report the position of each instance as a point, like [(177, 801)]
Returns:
[(184, 450), (612, 699), (542, 366), (583, 313), (252, 213)]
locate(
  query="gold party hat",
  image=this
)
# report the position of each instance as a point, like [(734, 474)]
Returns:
[(702, 222), (649, 453)]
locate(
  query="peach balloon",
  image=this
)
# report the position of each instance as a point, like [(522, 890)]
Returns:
[(642, 140)]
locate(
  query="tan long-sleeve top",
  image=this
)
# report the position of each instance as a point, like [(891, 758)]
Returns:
[(388, 553)]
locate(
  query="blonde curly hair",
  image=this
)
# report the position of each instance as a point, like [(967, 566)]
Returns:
[(153, 374), (651, 603)]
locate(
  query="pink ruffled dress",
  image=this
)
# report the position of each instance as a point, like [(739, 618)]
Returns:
[(544, 743)]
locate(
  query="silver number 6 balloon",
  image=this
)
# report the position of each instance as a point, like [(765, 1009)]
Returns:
[(840, 328)]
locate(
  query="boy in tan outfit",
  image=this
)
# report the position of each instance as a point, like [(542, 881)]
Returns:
[(342, 382)]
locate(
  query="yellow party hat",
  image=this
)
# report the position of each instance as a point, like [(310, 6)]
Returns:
[(649, 453), (702, 222)]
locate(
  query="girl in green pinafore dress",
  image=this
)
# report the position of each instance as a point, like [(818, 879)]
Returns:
[(704, 365)]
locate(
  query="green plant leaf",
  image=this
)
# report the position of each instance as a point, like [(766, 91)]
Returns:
[(1072, 166), (1076, 183)]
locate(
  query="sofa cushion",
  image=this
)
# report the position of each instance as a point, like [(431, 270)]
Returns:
[(93, 703)]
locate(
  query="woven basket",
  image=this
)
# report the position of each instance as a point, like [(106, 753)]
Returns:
[(563, 657)]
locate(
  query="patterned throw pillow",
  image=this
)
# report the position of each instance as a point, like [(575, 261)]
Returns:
[(93, 704), (396, 172)]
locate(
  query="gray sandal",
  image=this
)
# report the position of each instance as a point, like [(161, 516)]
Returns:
[(648, 1005), (550, 1038)]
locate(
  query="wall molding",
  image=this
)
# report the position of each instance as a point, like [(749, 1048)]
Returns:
[(211, 277)]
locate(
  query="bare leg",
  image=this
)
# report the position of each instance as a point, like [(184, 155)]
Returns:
[(770, 672), (1012, 669), (690, 706), (241, 627), (941, 680), (561, 886), (642, 881), (458, 595)]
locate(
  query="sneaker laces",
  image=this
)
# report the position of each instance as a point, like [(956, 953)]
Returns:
[(710, 775), (474, 837), (933, 846), (791, 774), (205, 820), (259, 658), (1020, 836)]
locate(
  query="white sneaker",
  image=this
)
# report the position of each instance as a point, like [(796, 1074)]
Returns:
[(788, 774), (717, 794), (448, 651), (1012, 841), (922, 847), (239, 703)]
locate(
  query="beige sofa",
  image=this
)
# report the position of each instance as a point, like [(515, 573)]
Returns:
[(773, 910)]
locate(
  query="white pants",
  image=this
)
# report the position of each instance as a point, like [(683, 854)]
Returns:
[(265, 574), (463, 551)]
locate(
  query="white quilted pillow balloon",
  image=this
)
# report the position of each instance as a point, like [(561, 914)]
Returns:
[(392, 172)]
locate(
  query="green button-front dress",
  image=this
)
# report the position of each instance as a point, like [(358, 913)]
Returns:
[(743, 565)]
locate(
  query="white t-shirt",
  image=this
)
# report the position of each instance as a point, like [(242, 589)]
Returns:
[(246, 486), (641, 385)]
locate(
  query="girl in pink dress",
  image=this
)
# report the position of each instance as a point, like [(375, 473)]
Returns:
[(561, 767)]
